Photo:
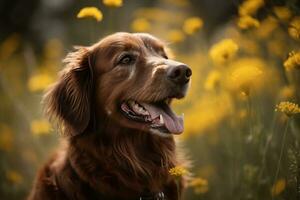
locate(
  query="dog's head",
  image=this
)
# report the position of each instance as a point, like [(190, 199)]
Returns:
[(126, 77)]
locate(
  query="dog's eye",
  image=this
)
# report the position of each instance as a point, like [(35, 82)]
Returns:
[(126, 60), (163, 54)]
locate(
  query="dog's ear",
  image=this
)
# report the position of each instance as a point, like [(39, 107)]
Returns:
[(69, 100)]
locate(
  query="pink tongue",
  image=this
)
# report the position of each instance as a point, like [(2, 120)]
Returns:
[(172, 122)]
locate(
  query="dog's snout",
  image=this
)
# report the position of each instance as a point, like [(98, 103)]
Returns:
[(179, 74)]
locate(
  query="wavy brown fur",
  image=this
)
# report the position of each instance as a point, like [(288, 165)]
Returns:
[(103, 157)]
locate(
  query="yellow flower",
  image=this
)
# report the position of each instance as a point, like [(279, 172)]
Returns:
[(294, 28), (282, 12), (192, 25), (223, 51), (140, 25), (278, 187), (40, 126), (39, 82), (288, 108), (175, 36), (245, 74), (178, 171), (250, 7), (247, 21), (205, 114), (14, 177), (293, 61), (213, 80), (90, 12), (200, 185), (287, 92), (113, 3), (6, 138)]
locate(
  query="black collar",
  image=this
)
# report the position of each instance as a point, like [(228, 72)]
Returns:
[(153, 196)]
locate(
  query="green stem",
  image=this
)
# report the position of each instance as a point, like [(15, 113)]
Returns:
[(178, 193), (281, 152), (249, 107), (268, 141)]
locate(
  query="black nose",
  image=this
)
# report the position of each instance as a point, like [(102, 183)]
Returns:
[(179, 74)]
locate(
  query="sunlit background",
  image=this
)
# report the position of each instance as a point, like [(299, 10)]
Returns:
[(245, 61)]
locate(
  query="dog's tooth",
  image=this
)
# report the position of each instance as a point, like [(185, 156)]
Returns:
[(145, 112), (136, 106), (141, 110), (161, 119)]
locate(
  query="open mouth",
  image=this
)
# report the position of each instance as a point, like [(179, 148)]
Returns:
[(158, 115)]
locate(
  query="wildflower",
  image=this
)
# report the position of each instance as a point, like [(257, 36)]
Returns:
[(223, 51), (245, 74), (176, 36), (213, 80), (214, 109), (200, 185), (282, 12), (246, 22), (250, 7), (14, 177), (178, 171), (294, 28), (113, 3), (140, 25), (287, 92), (288, 108), (90, 12), (39, 82), (192, 25), (278, 187), (293, 61), (40, 126)]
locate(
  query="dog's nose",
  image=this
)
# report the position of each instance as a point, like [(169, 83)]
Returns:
[(179, 74)]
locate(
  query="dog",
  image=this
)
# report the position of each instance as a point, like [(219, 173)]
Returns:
[(111, 103)]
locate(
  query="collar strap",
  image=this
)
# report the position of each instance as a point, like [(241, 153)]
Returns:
[(157, 196)]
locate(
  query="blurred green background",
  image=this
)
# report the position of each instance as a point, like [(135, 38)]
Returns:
[(245, 60)]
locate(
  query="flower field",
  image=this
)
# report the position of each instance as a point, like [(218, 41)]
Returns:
[(242, 112)]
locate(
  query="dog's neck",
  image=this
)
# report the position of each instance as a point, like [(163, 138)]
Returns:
[(127, 154)]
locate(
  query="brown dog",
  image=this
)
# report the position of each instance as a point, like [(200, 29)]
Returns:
[(112, 102)]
